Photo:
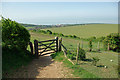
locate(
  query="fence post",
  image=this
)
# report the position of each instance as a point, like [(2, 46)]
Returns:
[(108, 46), (56, 44), (31, 47), (98, 46), (60, 42), (82, 44), (36, 48), (78, 47)]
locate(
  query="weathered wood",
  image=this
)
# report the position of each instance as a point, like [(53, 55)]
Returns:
[(47, 50), (47, 40), (98, 46), (64, 47), (31, 47), (65, 54), (46, 44), (108, 46), (60, 42), (56, 44), (47, 47), (77, 53), (36, 47)]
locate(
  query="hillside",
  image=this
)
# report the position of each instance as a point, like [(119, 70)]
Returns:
[(86, 31)]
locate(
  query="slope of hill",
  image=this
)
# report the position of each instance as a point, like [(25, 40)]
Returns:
[(86, 31)]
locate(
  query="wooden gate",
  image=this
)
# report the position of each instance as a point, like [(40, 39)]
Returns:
[(46, 47)]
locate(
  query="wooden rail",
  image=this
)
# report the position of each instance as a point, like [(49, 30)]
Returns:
[(47, 41), (64, 49), (45, 46)]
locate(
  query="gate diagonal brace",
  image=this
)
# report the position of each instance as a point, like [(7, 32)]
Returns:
[(46, 47)]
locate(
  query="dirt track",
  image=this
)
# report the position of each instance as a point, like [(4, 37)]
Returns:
[(44, 67)]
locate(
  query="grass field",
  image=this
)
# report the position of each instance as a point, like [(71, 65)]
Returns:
[(86, 31), (104, 56)]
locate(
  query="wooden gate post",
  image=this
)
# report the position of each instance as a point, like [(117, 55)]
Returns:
[(31, 47), (36, 48), (60, 42), (56, 43)]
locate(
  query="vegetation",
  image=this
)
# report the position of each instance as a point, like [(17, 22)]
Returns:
[(15, 40), (57, 34), (114, 41), (104, 56), (14, 35), (95, 60), (77, 70), (87, 31), (82, 54)]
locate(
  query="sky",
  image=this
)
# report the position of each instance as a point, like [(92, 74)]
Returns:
[(61, 12)]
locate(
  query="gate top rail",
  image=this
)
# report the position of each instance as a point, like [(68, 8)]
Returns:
[(47, 41)]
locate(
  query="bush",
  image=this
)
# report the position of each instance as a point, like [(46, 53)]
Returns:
[(114, 41), (82, 54), (74, 36), (49, 32), (70, 36), (14, 34), (61, 34)]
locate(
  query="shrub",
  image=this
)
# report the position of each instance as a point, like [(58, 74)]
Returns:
[(74, 36), (90, 45), (114, 41), (14, 34), (61, 34), (49, 32), (82, 54), (70, 36)]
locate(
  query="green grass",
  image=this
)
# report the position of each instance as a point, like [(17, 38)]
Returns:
[(12, 59), (105, 56), (29, 27), (77, 71), (86, 31)]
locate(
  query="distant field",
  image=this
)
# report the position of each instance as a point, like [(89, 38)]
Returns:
[(86, 31)]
